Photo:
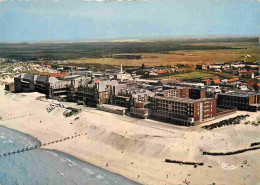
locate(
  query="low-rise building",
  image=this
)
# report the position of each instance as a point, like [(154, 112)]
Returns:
[(248, 101), (201, 67), (9, 87), (139, 112)]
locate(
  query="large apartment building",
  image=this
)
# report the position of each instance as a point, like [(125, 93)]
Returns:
[(95, 93), (39, 83), (183, 111), (248, 101)]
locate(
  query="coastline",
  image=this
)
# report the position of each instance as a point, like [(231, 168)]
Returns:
[(36, 141), (128, 145)]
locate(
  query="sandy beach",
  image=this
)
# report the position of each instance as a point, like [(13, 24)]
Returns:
[(137, 148)]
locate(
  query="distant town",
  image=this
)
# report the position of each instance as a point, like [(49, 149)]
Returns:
[(145, 91)]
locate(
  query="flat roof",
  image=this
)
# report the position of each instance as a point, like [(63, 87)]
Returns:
[(240, 94), (182, 100)]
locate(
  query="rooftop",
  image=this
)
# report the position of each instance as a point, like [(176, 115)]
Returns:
[(241, 94), (182, 100)]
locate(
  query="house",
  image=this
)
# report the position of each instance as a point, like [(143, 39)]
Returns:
[(159, 72), (250, 74), (201, 67), (216, 82), (233, 80), (242, 73), (206, 81)]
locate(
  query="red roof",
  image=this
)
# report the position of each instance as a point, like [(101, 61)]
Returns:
[(199, 64), (217, 81), (243, 71), (161, 72), (251, 84), (233, 79), (58, 74)]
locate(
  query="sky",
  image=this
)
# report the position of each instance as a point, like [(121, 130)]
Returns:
[(82, 20)]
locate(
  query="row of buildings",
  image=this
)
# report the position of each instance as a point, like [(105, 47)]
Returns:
[(239, 68), (180, 103)]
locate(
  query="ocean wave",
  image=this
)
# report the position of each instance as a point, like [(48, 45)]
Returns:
[(62, 174), (52, 153), (2, 137), (9, 141), (88, 171), (100, 177), (72, 162)]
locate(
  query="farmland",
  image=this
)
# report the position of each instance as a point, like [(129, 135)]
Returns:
[(155, 53), (197, 76)]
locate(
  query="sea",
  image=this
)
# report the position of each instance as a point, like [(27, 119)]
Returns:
[(41, 166)]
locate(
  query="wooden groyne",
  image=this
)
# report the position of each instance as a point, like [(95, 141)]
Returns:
[(232, 121), (231, 153), (255, 144), (26, 149), (17, 117), (183, 162)]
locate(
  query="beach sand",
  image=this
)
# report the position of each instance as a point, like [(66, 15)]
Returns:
[(137, 148)]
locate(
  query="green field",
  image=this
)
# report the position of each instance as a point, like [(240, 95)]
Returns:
[(197, 76), (99, 50)]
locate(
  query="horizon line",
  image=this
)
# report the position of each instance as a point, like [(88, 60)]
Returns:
[(129, 39)]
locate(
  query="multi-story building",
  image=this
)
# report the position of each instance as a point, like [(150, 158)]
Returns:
[(139, 112), (97, 92), (173, 91), (129, 96), (197, 93), (183, 111), (249, 101), (48, 84)]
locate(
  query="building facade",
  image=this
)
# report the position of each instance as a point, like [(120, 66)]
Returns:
[(183, 111), (197, 93), (248, 101)]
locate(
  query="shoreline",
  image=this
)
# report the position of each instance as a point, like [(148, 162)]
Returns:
[(63, 153), (134, 151)]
